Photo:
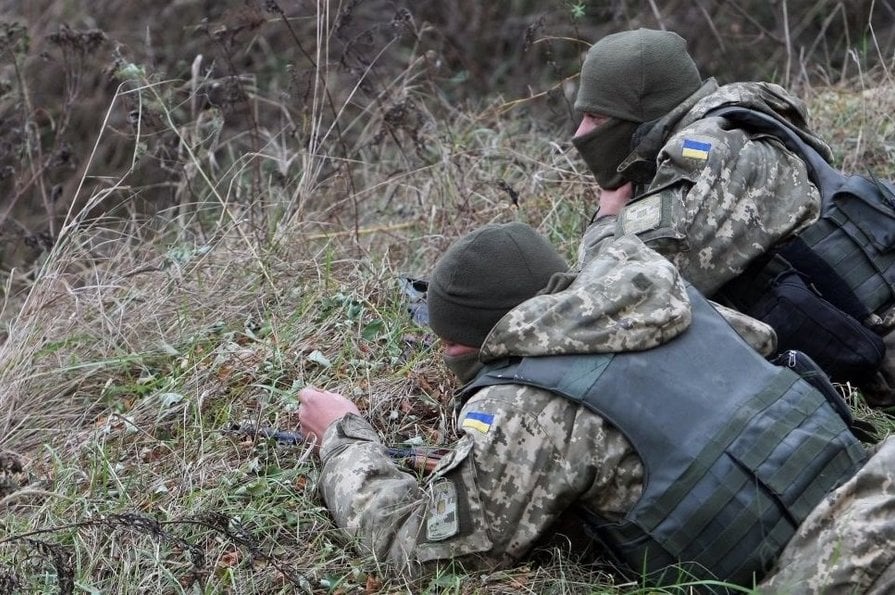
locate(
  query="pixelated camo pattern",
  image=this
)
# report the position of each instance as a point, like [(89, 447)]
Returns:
[(515, 476), (727, 209), (627, 298), (541, 454)]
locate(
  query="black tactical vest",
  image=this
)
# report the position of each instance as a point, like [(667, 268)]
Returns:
[(736, 451), (855, 234)]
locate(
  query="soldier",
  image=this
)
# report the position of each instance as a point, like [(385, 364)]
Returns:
[(618, 393), (722, 201), (847, 543)]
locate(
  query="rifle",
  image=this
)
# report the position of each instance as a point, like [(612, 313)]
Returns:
[(418, 458)]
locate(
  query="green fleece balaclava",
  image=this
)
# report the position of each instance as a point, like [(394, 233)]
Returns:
[(484, 275), (632, 77)]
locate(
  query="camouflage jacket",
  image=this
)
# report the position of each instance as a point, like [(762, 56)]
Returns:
[(721, 196), (847, 543), (525, 455)]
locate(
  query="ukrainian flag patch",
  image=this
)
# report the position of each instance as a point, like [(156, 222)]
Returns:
[(695, 149), (476, 420)]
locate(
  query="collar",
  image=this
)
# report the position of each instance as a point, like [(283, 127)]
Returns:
[(651, 136)]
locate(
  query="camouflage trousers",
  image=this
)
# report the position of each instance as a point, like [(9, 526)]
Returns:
[(847, 543)]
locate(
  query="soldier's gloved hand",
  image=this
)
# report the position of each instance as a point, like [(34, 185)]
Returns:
[(320, 408), (613, 201)]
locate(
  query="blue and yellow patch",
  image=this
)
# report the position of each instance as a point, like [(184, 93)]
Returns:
[(476, 420), (695, 149)]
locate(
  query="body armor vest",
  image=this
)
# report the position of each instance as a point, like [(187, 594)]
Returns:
[(736, 452), (855, 234)]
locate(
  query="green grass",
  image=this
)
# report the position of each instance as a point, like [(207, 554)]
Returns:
[(139, 340)]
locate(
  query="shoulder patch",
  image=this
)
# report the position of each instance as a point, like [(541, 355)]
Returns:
[(479, 421), (693, 148), (642, 215), (442, 521)]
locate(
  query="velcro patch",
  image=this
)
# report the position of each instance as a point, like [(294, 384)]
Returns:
[(642, 215), (695, 149), (442, 521), (477, 420)]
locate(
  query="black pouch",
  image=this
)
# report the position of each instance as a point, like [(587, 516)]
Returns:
[(804, 321)]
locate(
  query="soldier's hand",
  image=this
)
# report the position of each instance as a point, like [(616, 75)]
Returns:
[(320, 408), (613, 201)]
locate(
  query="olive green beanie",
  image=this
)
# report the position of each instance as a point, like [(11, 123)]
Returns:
[(637, 76), (484, 275)]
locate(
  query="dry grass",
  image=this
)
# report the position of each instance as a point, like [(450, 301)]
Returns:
[(139, 339), (860, 125)]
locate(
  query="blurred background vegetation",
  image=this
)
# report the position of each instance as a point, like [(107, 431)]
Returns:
[(236, 76)]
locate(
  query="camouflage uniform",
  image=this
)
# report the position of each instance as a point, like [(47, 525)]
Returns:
[(525, 455), (847, 543), (712, 213), (720, 197)]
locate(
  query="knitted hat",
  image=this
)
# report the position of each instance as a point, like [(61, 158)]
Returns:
[(637, 76), (484, 275)]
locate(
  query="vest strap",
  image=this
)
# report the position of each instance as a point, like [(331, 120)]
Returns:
[(697, 470)]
